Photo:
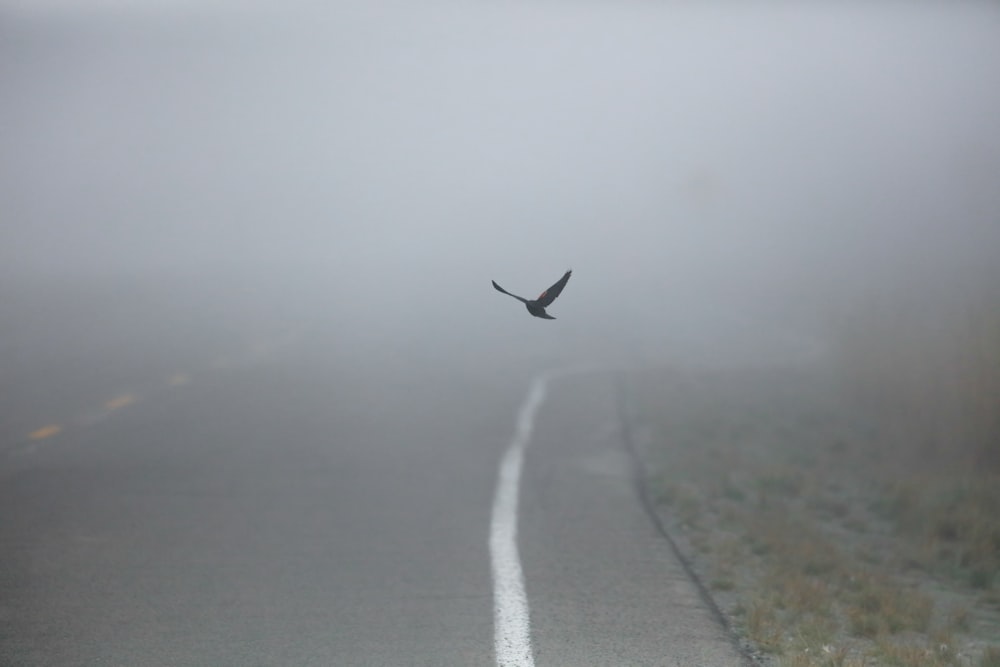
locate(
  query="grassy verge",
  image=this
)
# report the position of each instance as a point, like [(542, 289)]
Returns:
[(819, 548)]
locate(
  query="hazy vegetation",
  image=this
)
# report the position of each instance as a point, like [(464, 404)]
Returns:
[(925, 372), (823, 544), (928, 372)]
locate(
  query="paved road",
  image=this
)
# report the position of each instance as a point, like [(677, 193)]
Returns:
[(295, 506), (604, 587)]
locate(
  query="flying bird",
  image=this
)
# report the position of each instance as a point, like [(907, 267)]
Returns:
[(537, 306)]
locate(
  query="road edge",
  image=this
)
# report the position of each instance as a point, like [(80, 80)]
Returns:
[(626, 420)]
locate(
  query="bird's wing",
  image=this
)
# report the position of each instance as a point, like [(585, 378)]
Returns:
[(549, 295), (500, 289)]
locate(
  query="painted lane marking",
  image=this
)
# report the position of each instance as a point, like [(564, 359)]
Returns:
[(252, 354), (120, 402), (511, 619), (45, 432)]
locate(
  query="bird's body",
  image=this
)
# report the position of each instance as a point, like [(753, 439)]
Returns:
[(537, 306)]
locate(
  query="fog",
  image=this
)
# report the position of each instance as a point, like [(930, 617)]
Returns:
[(710, 172)]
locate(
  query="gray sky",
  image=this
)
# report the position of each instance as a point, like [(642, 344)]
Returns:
[(664, 151)]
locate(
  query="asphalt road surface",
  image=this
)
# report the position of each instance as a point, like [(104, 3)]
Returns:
[(269, 502)]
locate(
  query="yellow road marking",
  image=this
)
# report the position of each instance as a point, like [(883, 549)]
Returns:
[(119, 402), (179, 379), (45, 432)]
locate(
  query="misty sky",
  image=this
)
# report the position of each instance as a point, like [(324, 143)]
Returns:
[(653, 147)]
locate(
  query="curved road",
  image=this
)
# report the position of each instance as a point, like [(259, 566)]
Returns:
[(282, 506)]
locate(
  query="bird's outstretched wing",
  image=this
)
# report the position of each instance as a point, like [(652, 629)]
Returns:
[(500, 289), (549, 295)]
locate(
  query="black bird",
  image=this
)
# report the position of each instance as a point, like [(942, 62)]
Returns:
[(537, 307)]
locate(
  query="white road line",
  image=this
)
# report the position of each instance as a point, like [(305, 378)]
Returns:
[(511, 621)]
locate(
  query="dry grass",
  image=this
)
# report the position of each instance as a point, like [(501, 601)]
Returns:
[(915, 655), (956, 521), (827, 656), (876, 607), (801, 537), (990, 658)]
